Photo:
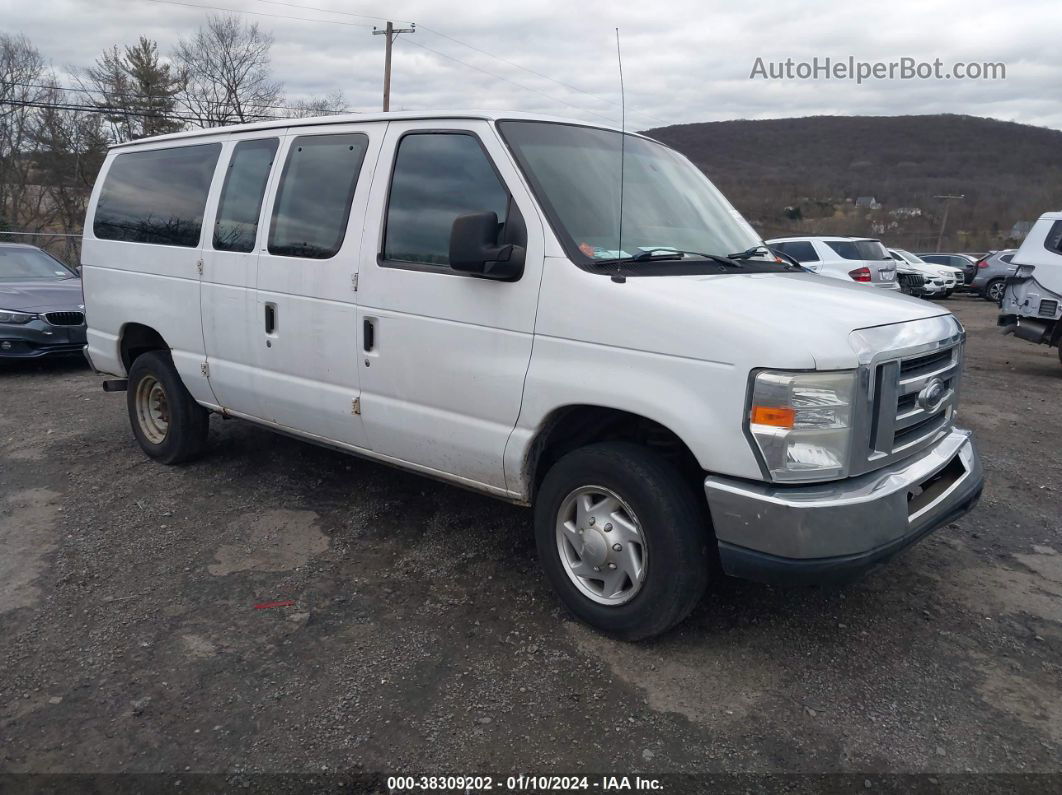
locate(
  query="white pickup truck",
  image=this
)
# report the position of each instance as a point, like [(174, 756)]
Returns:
[(455, 294)]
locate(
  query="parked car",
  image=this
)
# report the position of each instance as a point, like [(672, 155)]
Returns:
[(859, 259), (448, 293), (912, 282), (42, 312), (992, 272), (1031, 305), (941, 280), (963, 263)]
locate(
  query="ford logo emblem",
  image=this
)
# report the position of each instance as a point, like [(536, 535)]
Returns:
[(932, 395)]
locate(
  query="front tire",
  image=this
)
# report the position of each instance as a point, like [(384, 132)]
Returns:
[(167, 422), (623, 539)]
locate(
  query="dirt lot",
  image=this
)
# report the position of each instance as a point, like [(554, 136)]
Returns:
[(424, 638)]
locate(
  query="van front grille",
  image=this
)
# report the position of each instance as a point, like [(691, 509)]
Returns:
[(913, 401)]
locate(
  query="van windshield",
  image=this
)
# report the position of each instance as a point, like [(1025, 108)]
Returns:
[(667, 202)]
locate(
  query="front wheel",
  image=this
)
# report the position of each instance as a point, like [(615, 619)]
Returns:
[(167, 422), (623, 539)]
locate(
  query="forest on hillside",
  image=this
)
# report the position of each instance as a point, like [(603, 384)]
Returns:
[(804, 176)]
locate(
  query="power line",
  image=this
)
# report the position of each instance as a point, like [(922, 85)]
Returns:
[(117, 111), (480, 50), (326, 10), (134, 95), (260, 13)]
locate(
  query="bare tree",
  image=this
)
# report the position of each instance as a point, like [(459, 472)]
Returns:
[(69, 147), (328, 105), (227, 74), (21, 94)]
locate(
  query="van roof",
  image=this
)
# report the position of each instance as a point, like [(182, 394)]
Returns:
[(364, 118)]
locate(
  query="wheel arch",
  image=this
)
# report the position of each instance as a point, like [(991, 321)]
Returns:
[(136, 339), (567, 428)]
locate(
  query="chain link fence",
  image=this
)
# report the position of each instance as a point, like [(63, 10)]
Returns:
[(64, 246)]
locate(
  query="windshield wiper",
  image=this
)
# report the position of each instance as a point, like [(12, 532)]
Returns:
[(749, 253), (664, 254)]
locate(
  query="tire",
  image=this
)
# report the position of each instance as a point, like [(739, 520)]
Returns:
[(167, 422), (993, 291), (672, 522)]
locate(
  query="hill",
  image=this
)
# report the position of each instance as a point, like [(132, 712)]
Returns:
[(793, 176)]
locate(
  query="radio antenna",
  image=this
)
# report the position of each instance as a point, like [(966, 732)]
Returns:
[(618, 277)]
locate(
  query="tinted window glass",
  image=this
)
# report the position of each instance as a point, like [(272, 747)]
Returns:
[(858, 249), (1007, 257), (800, 250), (1054, 238), (437, 177), (313, 201), (156, 196), (241, 197)]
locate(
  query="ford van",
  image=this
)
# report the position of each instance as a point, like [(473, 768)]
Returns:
[(461, 295)]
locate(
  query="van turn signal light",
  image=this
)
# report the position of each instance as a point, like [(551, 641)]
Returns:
[(779, 417)]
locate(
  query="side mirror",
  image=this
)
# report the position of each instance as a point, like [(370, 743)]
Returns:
[(474, 248)]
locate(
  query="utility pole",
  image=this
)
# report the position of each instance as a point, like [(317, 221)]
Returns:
[(391, 32), (944, 220)]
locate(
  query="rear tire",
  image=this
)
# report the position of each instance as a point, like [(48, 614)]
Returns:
[(993, 291), (630, 504), (167, 422)]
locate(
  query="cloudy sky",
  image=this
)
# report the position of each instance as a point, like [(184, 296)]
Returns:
[(684, 60)]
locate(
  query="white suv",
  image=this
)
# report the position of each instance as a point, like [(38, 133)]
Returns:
[(858, 259), (941, 280)]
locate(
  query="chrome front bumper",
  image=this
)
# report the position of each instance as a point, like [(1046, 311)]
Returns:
[(835, 531)]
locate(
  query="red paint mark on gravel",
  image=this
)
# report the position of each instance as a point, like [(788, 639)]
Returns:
[(268, 605)]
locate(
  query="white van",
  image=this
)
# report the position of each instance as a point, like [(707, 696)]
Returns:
[(859, 259), (449, 293), (1031, 305)]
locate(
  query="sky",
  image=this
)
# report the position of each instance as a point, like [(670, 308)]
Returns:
[(683, 61)]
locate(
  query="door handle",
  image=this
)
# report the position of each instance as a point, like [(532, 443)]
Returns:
[(270, 318), (368, 335)]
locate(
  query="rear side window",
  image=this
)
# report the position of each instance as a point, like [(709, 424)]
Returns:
[(858, 249), (1053, 242), (241, 198), (800, 250), (437, 177), (313, 200), (156, 196), (1007, 258)]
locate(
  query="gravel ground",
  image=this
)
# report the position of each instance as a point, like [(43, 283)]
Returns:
[(423, 637)]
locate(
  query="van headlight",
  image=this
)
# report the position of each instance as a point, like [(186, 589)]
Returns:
[(802, 422), (10, 316)]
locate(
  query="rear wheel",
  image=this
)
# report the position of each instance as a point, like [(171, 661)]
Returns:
[(623, 539), (167, 422), (993, 291)]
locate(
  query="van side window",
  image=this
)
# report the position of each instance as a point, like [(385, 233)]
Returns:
[(156, 196), (437, 177), (312, 207), (800, 250), (1053, 242), (241, 197)]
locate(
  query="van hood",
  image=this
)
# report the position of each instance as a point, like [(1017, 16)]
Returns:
[(782, 320)]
